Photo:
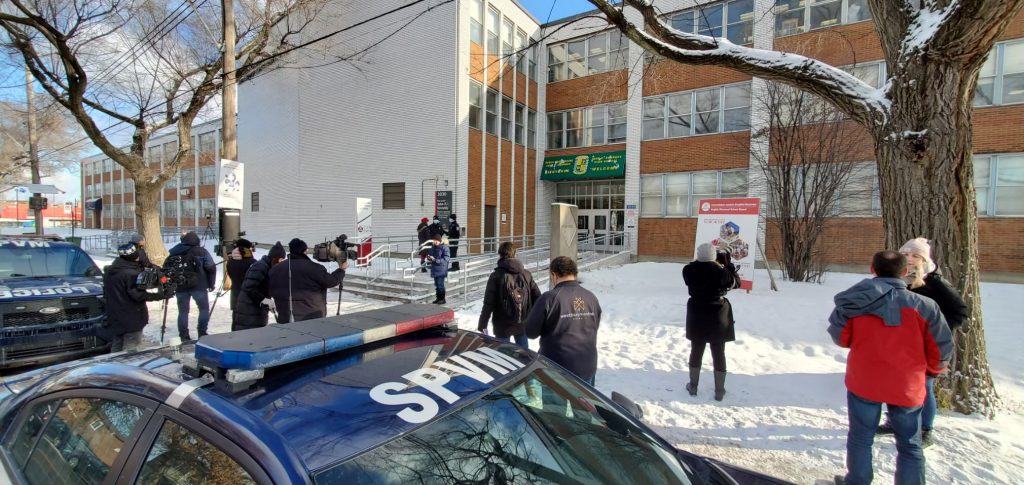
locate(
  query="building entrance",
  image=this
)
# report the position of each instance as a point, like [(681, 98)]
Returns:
[(602, 212)]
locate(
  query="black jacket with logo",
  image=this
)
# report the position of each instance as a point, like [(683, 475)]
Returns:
[(309, 282), (505, 325), (566, 320), (125, 303)]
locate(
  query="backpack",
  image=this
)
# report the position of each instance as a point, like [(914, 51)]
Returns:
[(515, 296), (182, 270)]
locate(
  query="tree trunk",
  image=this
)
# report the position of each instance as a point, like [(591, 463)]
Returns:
[(147, 219), (926, 178)]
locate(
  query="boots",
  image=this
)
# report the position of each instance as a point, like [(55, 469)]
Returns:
[(694, 379), (719, 385), (440, 298), (437, 297)]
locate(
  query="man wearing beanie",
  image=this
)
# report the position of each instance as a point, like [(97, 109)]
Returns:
[(709, 318), (205, 273), (252, 310), (126, 310), (140, 243), (299, 285), (454, 232), (238, 263), (423, 234)]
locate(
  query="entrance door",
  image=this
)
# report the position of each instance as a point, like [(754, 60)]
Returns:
[(490, 228), (601, 230)]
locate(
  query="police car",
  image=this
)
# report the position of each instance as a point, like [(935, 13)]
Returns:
[(389, 396), (50, 307)]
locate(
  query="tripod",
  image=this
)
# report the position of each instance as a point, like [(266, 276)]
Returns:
[(209, 233)]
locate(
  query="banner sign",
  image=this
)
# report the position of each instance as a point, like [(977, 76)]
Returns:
[(582, 167), (443, 205), (364, 219), (229, 188), (732, 224)]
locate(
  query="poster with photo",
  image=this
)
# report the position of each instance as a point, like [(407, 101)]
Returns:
[(731, 224)]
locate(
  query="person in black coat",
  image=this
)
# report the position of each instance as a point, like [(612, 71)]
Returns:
[(140, 243), (125, 303), (299, 285), (436, 229), (252, 310), (709, 318), (206, 271), (454, 233), (423, 235), (508, 326), (239, 261)]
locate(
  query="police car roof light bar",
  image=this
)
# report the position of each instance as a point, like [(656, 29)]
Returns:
[(276, 345)]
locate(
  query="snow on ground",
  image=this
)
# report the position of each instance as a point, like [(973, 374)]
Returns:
[(785, 411)]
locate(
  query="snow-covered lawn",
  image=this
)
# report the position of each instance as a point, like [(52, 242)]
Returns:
[(785, 411)]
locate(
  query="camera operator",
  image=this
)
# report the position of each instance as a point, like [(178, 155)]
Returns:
[(299, 285), (238, 263), (709, 319), (125, 300), (140, 242), (252, 310)]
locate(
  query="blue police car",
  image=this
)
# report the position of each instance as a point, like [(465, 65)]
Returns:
[(389, 396)]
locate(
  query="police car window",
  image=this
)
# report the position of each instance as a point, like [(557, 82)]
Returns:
[(542, 429), (81, 441), (35, 258), (180, 456), (26, 436)]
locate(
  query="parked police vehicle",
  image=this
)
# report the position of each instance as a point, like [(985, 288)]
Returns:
[(50, 302), (389, 396)]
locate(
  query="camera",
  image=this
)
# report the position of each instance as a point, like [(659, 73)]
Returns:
[(230, 245), (154, 278), (337, 250), (723, 256)]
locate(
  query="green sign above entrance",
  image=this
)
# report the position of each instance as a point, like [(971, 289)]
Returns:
[(581, 167)]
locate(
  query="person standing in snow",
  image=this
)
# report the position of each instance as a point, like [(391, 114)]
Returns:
[(454, 233), (252, 310), (511, 293), (423, 235), (709, 320), (299, 284), (206, 279), (923, 277), (239, 261), (436, 228), (566, 319), (438, 258), (126, 313), (896, 338)]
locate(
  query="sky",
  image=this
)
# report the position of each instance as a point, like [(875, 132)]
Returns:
[(562, 8)]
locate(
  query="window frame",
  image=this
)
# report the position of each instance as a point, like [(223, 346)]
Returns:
[(478, 106), (476, 21), (492, 38), (993, 183), (725, 24), (613, 57), (531, 128), (254, 201), (519, 120), (807, 15), (720, 111), (506, 117), (691, 198), (491, 111), (999, 51), (384, 195), (587, 125)]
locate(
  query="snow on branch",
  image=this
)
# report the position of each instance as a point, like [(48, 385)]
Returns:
[(925, 24)]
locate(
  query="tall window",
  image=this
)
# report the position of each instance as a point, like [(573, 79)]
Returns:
[(170, 151), (475, 100), (533, 62), (999, 184), (796, 16), (531, 127), (394, 195), (506, 118), (596, 125), (206, 207), (677, 194), (522, 54), (254, 202), (698, 112), (188, 208), (520, 113), (476, 26), (1001, 80), (187, 177), (601, 52), (155, 156), (507, 34), (208, 175), (735, 18), (492, 111), (171, 209), (493, 21)]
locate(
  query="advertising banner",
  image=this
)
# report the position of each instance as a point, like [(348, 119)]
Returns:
[(364, 227), (582, 167), (443, 205), (731, 224), (230, 175)]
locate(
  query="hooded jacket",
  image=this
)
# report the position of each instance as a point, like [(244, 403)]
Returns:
[(305, 282), (506, 325), (566, 320), (895, 338), (205, 267), (422, 232)]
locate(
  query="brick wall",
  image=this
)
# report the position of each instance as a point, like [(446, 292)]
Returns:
[(705, 152), (999, 129), (667, 238), (587, 91), (669, 77), (839, 46)]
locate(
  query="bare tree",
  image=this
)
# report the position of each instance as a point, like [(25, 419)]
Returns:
[(920, 122), (57, 133), (811, 167), (147, 65)]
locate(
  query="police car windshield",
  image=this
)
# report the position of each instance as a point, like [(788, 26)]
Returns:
[(28, 259), (543, 428)]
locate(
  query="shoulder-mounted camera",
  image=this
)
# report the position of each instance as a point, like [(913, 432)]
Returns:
[(337, 250)]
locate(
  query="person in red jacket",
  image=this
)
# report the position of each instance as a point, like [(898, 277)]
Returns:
[(896, 338)]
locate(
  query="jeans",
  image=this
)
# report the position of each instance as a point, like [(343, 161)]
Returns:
[(930, 406), (202, 299), (906, 423), (521, 340), (439, 283), (717, 354)]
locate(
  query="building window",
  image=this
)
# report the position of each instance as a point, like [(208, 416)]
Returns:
[(796, 16), (531, 127), (108, 165), (155, 155), (394, 195), (1001, 80), (208, 143), (602, 52), (735, 18), (678, 194), (520, 112), (698, 112), (208, 175), (171, 209), (493, 20), (188, 208), (476, 26), (254, 202), (999, 184), (475, 95), (492, 111), (507, 34), (533, 61), (170, 151), (596, 125), (187, 177), (506, 118), (521, 54), (207, 207)]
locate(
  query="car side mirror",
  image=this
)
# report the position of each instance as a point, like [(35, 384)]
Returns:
[(627, 404)]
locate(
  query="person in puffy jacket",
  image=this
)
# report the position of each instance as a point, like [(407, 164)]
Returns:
[(299, 285), (206, 271), (252, 310), (509, 282), (125, 302), (896, 338), (238, 264), (709, 320), (438, 258)]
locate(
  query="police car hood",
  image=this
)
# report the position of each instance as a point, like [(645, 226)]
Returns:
[(336, 407), (49, 287)]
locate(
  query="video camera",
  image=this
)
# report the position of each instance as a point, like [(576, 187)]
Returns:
[(337, 250), (229, 244), (723, 256), (154, 278)]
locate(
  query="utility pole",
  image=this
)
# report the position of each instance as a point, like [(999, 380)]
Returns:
[(228, 113), (33, 149)]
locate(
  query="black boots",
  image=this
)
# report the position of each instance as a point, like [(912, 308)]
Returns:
[(440, 298), (455, 266), (694, 379), (719, 385)]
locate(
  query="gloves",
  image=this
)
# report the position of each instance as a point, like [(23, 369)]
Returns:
[(430, 259), (335, 252), (236, 255), (269, 303), (343, 264)]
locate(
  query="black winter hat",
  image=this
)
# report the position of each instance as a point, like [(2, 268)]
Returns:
[(297, 246), (243, 243), (452, 216), (191, 238), (128, 251), (277, 251)]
